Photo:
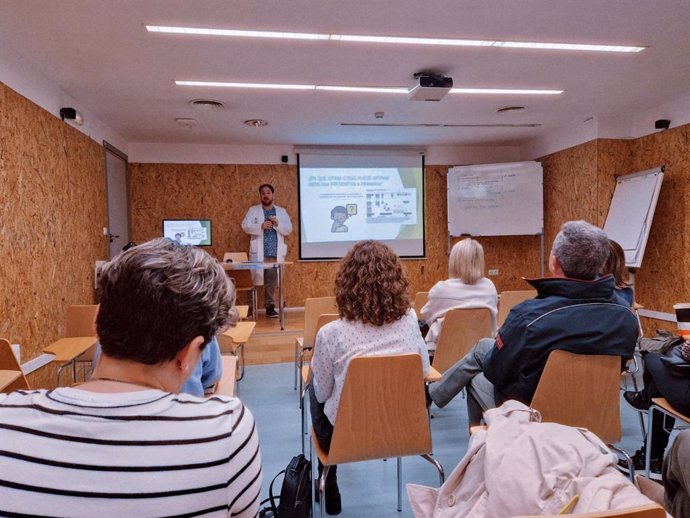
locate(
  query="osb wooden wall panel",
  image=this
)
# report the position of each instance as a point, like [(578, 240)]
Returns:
[(52, 210), (570, 189), (223, 193), (663, 278)]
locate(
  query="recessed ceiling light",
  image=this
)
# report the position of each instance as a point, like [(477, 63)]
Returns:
[(369, 89), (404, 40), (206, 104), (256, 123)]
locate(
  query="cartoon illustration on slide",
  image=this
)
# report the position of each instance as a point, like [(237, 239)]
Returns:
[(339, 214)]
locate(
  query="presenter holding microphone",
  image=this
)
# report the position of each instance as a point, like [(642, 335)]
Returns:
[(267, 224)]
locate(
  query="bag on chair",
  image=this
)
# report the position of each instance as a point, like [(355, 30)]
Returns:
[(295, 493)]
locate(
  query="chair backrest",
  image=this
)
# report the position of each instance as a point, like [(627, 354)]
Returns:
[(80, 320), (8, 362), (419, 300), (462, 328), (242, 279), (235, 257), (645, 511), (508, 299), (581, 390), (313, 308), (382, 410)]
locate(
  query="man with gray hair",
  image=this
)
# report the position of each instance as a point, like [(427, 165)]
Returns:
[(575, 311)]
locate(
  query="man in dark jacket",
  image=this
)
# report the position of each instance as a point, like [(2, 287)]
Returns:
[(575, 310)]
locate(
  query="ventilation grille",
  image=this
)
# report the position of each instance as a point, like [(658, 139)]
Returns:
[(206, 104)]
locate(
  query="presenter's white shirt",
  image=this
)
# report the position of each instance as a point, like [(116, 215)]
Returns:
[(340, 341), (452, 294), (251, 224)]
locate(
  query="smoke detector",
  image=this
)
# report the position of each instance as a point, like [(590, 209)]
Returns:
[(186, 123)]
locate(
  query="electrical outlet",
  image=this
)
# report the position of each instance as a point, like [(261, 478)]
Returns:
[(493, 271)]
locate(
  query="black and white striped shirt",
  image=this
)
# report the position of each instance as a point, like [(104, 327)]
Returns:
[(70, 452)]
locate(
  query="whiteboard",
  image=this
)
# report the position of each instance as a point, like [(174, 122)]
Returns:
[(632, 209), (496, 199)]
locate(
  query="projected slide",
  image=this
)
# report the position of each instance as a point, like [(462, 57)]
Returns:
[(342, 205), (188, 232)]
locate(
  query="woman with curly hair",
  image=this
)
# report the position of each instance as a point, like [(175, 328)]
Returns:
[(375, 319)]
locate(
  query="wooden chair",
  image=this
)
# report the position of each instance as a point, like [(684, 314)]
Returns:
[(659, 404), (8, 362), (305, 369), (80, 320), (645, 511), (462, 328), (508, 299), (420, 299), (227, 384), (382, 414), (242, 278), (313, 307), (582, 390)]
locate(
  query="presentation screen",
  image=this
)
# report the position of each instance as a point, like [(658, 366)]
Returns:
[(348, 198), (188, 231)]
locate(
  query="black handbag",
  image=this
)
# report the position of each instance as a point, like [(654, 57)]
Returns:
[(675, 363), (295, 493)]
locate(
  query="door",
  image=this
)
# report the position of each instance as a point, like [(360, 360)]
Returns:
[(118, 199)]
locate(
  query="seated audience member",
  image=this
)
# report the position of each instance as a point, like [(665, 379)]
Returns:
[(660, 381), (575, 311), (677, 476), (466, 288), (125, 443), (615, 265), (206, 373), (375, 319)]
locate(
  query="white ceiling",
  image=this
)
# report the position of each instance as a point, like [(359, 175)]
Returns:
[(99, 52)]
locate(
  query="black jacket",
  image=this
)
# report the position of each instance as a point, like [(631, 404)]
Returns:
[(582, 317)]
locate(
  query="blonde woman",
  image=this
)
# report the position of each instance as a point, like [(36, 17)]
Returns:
[(466, 288)]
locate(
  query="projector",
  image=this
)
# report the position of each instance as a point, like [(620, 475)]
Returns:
[(430, 88)]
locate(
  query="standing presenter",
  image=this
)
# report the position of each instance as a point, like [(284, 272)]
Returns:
[(267, 224)]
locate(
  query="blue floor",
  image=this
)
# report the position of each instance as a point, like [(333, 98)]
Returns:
[(368, 488)]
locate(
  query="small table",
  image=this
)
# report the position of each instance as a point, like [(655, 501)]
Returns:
[(67, 350), (240, 334), (265, 265), (7, 378)]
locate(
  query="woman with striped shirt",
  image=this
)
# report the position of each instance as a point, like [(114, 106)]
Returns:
[(125, 443)]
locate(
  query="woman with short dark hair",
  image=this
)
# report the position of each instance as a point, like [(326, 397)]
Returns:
[(125, 443), (375, 319)]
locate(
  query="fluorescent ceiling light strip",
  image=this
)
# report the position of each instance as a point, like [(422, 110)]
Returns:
[(369, 89), (504, 91), (237, 33), (374, 89), (404, 40), (266, 86)]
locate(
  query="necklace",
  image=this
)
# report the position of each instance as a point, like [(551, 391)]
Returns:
[(115, 380)]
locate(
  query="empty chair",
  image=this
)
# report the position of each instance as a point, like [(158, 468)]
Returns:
[(242, 278), (8, 362), (462, 328), (80, 320), (508, 299), (392, 424), (313, 308)]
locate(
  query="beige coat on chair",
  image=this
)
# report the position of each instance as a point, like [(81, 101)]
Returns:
[(519, 467)]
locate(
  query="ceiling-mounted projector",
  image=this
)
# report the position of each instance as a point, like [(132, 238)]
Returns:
[(430, 87)]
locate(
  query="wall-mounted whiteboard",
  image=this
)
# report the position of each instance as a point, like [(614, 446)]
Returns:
[(496, 199), (632, 209)]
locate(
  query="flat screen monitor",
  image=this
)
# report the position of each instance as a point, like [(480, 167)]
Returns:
[(188, 231)]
